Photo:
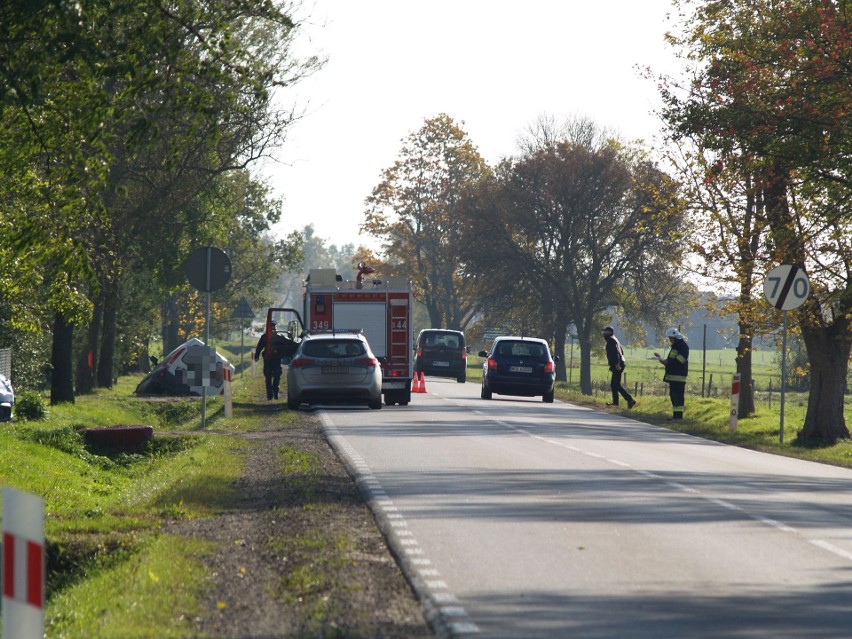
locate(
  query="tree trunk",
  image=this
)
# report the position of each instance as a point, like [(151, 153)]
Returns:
[(88, 356), (585, 361), (62, 358), (828, 343), (559, 350), (744, 368), (828, 355), (106, 361), (169, 332)]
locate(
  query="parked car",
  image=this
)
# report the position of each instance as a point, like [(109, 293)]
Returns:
[(336, 367), (170, 376), (518, 366), (441, 353), (7, 399)]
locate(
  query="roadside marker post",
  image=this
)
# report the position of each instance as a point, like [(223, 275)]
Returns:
[(735, 403), (24, 566), (786, 287), (229, 403)]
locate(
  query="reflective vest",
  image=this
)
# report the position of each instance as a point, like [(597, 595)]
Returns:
[(677, 365)]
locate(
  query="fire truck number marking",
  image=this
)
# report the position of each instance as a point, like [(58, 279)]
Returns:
[(399, 325), (320, 325)]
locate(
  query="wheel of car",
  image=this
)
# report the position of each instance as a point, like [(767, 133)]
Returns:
[(375, 404), (548, 398), (485, 393), (462, 379), (292, 404)]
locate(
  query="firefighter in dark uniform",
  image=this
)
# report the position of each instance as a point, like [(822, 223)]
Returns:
[(677, 368), (271, 365), (615, 359)]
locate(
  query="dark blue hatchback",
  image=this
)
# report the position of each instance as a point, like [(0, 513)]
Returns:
[(518, 366)]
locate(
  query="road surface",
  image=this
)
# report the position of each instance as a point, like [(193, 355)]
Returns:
[(514, 518)]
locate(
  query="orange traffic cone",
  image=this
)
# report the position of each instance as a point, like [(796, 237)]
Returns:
[(422, 382), (416, 386)]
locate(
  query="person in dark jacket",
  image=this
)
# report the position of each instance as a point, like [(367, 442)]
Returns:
[(271, 365), (677, 368), (615, 359)]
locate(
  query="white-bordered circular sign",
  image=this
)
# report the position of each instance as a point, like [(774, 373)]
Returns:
[(786, 287)]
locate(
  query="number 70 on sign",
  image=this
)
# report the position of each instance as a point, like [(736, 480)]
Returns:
[(786, 287)]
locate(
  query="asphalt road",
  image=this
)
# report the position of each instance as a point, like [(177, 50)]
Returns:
[(516, 518)]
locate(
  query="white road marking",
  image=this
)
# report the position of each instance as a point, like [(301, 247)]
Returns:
[(435, 589), (772, 523)]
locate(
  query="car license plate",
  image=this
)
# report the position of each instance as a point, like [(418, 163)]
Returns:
[(520, 369), (335, 370), (440, 363)]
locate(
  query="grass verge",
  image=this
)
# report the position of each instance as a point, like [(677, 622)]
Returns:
[(111, 572)]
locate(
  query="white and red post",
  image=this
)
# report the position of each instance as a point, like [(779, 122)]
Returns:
[(24, 568), (229, 398), (735, 403)]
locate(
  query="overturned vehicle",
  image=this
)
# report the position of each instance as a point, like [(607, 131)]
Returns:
[(186, 370)]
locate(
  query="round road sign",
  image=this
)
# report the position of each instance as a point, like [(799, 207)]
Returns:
[(208, 268), (786, 287)]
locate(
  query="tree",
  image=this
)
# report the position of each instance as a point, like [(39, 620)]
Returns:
[(134, 110), (573, 226), (725, 200), (771, 83), (413, 211)]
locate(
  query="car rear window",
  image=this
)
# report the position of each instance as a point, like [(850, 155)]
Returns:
[(521, 349), (449, 340), (334, 348)]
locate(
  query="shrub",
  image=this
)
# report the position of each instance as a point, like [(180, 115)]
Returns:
[(29, 405)]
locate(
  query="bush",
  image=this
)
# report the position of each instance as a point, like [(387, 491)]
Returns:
[(30, 405)]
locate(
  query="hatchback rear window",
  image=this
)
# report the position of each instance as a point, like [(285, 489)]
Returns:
[(448, 340), (334, 348), (521, 349)]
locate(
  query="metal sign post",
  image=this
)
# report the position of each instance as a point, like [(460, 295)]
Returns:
[(243, 311), (207, 269), (786, 287)]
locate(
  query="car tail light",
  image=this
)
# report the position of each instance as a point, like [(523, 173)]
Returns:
[(492, 364), (372, 362), (299, 362), (464, 355), (548, 367)]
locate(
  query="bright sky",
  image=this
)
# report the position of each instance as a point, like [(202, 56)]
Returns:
[(494, 66)]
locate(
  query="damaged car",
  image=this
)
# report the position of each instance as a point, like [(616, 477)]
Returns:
[(178, 372)]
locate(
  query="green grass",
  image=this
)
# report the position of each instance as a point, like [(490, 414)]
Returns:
[(151, 592), (111, 573)]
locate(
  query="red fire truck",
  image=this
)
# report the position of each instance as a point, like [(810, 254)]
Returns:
[(380, 308)]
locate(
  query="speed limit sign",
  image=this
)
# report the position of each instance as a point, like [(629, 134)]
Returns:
[(786, 287)]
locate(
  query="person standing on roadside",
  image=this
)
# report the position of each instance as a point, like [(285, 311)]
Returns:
[(677, 368), (271, 363), (615, 359)]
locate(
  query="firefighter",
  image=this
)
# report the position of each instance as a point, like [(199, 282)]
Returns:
[(271, 364), (677, 368)]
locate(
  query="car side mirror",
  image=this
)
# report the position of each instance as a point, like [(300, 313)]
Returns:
[(483, 353), (556, 358)]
